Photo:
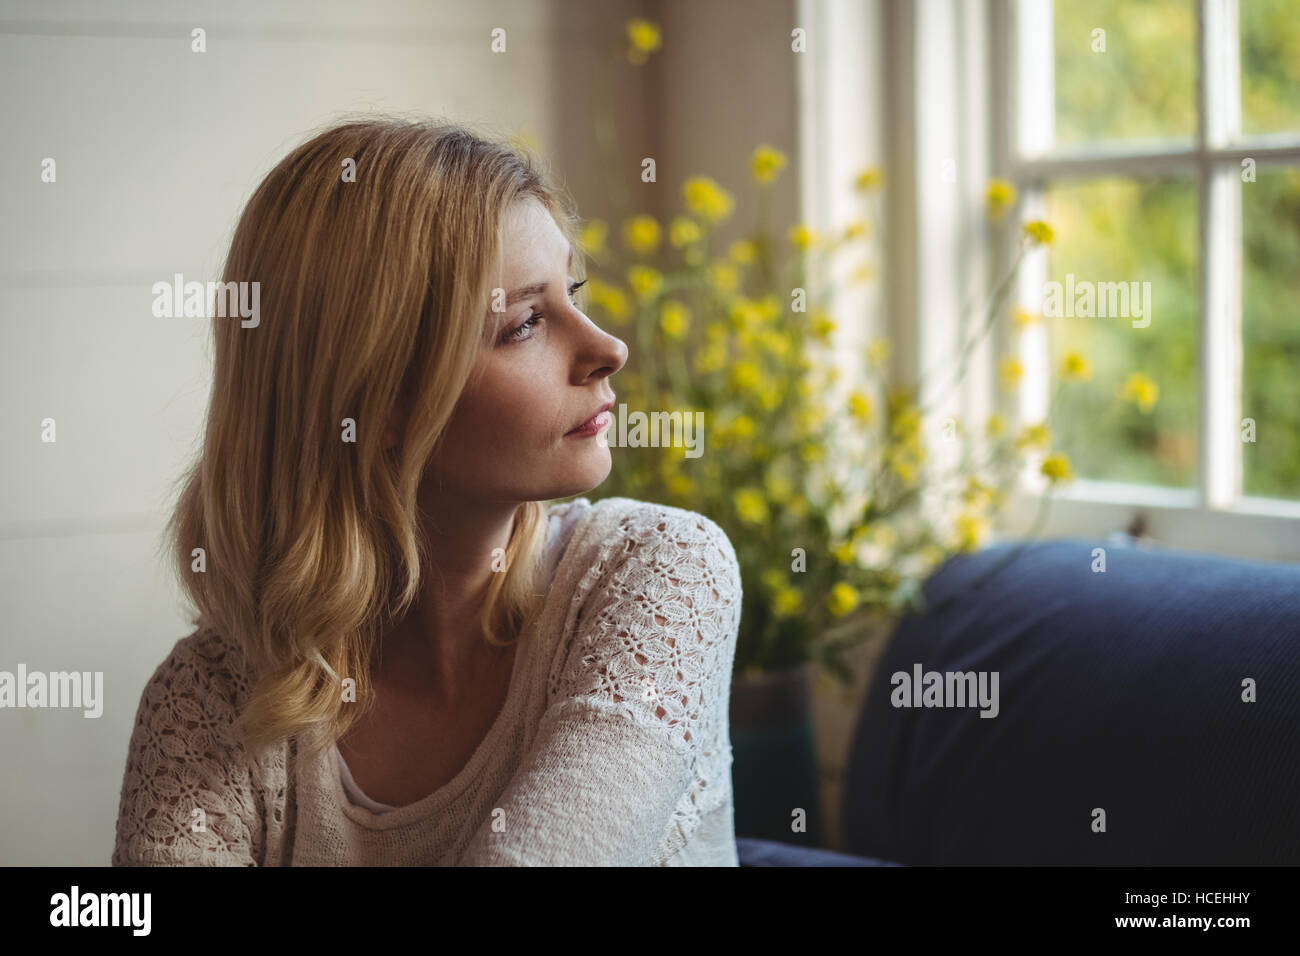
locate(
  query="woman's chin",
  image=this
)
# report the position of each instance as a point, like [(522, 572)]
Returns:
[(595, 470)]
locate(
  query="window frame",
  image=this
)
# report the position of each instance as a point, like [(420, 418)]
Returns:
[(906, 83), (1215, 515)]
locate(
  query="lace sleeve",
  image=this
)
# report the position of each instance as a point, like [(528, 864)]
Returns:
[(187, 792), (633, 746)]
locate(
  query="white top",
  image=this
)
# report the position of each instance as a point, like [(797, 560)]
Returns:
[(613, 746), (558, 532)]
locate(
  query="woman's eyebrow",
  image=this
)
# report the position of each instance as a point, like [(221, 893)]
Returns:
[(537, 288)]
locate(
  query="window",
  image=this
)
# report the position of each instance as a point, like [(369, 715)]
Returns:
[(1162, 139), (1134, 150)]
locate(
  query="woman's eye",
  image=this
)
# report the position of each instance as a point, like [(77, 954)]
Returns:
[(515, 334), (523, 331)]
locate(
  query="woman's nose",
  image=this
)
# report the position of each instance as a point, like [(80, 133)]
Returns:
[(608, 352)]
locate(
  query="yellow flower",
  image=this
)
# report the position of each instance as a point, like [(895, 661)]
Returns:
[(681, 486), (766, 163), (801, 237), (593, 236), (971, 529), (869, 179), (645, 282), (683, 230), (842, 599), (977, 494), (724, 276), (997, 424), (787, 603), (878, 352), (885, 537), (810, 419), (712, 358), (745, 376), (674, 319), (1024, 317), (1075, 367), (777, 343), (611, 299), (742, 426), (1034, 436), (906, 419), (707, 199), (641, 234), (741, 252), (1141, 390), (1011, 372), (843, 553), (1039, 232), (811, 453), (778, 486), (1056, 468), (797, 506), (860, 406), (823, 326), (744, 315), (856, 229), (901, 466), (931, 556), (1000, 196), (643, 38), (750, 506)]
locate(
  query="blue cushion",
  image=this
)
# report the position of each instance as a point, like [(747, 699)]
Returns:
[(755, 852), (1120, 691)]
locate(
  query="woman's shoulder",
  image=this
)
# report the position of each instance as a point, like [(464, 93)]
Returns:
[(658, 612), (650, 530), (185, 764), (203, 670), (637, 550)]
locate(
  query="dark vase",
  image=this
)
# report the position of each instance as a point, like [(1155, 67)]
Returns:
[(775, 756)]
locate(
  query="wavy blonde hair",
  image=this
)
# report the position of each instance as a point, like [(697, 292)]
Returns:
[(372, 302)]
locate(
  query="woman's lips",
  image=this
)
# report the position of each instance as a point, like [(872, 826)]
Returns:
[(591, 427)]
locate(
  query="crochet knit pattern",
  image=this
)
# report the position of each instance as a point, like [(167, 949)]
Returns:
[(612, 747)]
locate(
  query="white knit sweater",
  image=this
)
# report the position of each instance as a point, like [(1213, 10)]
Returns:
[(612, 747)]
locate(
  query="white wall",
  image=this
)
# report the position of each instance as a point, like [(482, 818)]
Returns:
[(157, 148)]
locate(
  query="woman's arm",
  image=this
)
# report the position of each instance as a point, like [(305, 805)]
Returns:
[(638, 709), (187, 791)]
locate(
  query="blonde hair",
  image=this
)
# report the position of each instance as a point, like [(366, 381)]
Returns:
[(373, 297)]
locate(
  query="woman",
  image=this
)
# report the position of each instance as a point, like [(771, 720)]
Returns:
[(402, 655)]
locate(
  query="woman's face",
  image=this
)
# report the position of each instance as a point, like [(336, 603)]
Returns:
[(545, 371)]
